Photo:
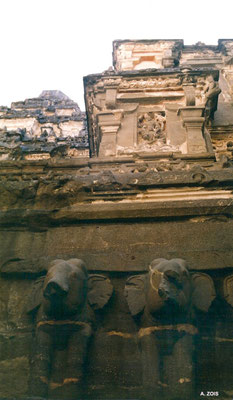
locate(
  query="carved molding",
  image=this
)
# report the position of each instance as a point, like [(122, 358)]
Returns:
[(148, 83)]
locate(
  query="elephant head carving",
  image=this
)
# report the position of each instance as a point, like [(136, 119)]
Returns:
[(164, 302), (227, 289), (169, 288), (67, 288), (64, 302)]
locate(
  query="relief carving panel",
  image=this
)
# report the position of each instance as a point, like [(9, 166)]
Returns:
[(151, 128)]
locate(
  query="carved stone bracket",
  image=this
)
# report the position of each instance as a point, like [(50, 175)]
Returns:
[(110, 100), (193, 121)]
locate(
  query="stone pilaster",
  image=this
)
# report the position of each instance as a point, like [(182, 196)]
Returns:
[(193, 121), (109, 123)]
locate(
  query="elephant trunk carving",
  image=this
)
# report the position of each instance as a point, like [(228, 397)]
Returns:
[(166, 290), (65, 289), (56, 288)]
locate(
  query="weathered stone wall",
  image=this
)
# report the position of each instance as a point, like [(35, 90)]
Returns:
[(123, 246), (117, 222), (15, 337), (158, 184)]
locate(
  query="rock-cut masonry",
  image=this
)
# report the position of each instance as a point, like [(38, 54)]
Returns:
[(47, 127), (116, 227)]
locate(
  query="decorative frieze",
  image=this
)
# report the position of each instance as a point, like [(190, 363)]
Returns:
[(151, 83)]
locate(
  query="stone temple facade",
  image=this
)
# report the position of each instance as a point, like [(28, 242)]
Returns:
[(116, 228)]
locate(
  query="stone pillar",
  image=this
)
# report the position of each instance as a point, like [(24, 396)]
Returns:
[(193, 121), (189, 94), (109, 123)]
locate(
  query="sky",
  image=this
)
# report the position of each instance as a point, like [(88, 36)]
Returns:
[(52, 44)]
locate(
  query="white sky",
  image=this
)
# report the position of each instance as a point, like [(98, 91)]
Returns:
[(52, 44)]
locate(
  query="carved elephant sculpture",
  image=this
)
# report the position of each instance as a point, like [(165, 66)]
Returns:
[(164, 302), (64, 301)]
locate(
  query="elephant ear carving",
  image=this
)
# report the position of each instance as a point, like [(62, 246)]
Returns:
[(135, 294), (203, 292), (228, 289), (100, 290), (35, 296)]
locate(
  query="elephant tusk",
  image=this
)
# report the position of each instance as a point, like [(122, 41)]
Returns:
[(157, 274), (152, 285)]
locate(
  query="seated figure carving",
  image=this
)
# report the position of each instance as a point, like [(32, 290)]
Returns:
[(64, 301), (164, 303)]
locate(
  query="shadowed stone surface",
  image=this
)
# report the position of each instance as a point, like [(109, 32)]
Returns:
[(14, 375)]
